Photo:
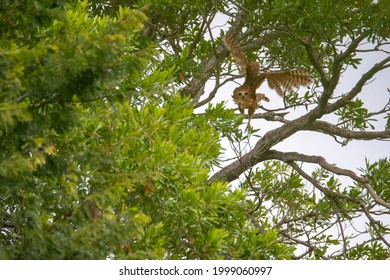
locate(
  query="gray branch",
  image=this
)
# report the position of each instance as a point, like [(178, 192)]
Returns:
[(333, 130)]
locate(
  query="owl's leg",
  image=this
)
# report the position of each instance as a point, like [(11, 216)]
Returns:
[(251, 111)]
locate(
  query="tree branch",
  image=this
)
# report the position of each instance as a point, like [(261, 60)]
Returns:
[(330, 85), (330, 129), (293, 156), (258, 153), (307, 244)]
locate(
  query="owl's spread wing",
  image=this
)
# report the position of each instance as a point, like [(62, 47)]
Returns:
[(236, 52), (282, 81)]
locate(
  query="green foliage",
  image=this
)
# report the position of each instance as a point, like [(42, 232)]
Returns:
[(47, 82), (379, 176), (225, 121), (100, 158), (372, 251), (355, 116)]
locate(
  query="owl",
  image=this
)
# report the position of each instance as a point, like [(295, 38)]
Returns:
[(245, 96)]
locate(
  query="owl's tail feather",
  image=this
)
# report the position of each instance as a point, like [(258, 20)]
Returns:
[(236, 52)]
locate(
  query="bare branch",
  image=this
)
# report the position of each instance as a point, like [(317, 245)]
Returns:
[(318, 185), (375, 224), (332, 130), (285, 220), (307, 244), (270, 116), (330, 86), (343, 237), (212, 94), (351, 48)]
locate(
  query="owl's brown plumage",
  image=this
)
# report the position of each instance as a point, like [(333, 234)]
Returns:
[(245, 96)]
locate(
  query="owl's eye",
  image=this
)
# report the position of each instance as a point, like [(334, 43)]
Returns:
[(242, 93)]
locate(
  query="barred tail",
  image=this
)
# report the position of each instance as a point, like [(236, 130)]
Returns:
[(300, 78), (236, 52)]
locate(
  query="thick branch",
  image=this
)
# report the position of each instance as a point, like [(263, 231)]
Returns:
[(334, 130), (258, 153)]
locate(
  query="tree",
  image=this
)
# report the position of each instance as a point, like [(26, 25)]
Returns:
[(102, 155)]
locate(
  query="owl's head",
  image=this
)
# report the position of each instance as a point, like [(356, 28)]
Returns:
[(242, 94)]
